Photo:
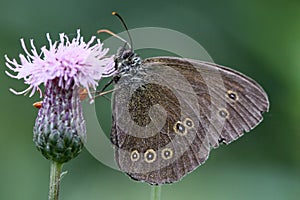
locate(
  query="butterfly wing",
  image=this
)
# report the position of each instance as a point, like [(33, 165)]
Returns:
[(168, 116)]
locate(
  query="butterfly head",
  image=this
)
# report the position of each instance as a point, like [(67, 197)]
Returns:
[(127, 62)]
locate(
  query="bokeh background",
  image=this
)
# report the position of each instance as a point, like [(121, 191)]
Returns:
[(258, 38)]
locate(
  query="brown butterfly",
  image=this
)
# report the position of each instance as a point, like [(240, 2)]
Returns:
[(169, 112)]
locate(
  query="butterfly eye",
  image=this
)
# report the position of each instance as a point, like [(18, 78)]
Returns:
[(150, 156), (167, 153), (134, 155), (232, 95), (223, 113), (179, 128), (188, 123)]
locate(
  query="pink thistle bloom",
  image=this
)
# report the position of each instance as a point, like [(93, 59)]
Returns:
[(68, 61), (60, 131)]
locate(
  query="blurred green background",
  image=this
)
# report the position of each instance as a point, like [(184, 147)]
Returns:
[(258, 38)]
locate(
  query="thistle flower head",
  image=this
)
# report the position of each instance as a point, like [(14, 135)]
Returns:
[(68, 61), (64, 68)]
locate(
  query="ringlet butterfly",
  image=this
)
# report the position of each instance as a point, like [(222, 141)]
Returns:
[(169, 112)]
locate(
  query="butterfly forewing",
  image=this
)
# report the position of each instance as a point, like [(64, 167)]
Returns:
[(229, 96)]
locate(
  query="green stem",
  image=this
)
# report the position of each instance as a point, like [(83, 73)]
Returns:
[(156, 192), (55, 173)]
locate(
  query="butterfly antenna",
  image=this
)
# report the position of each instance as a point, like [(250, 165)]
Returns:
[(124, 24), (113, 34)]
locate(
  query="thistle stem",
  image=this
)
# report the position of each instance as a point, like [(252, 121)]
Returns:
[(156, 192), (55, 174)]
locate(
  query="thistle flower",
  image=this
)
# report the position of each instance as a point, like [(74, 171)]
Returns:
[(63, 69)]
